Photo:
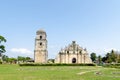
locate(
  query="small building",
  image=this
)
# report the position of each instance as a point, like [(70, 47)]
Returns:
[(73, 53)]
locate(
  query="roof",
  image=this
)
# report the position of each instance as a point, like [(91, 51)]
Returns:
[(72, 47), (40, 31)]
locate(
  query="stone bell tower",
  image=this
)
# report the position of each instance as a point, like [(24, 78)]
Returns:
[(40, 52)]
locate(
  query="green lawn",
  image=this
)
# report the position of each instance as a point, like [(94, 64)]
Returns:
[(15, 72)]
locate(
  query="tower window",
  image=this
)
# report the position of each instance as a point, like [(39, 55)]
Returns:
[(40, 44), (67, 51), (40, 37)]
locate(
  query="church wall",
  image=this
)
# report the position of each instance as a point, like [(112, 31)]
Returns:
[(57, 59), (63, 58), (78, 58), (88, 60), (67, 58)]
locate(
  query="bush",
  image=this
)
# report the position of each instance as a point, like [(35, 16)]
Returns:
[(0, 62), (116, 65), (34, 64)]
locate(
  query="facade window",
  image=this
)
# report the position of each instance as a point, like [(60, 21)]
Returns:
[(67, 51), (40, 37), (40, 44), (80, 52)]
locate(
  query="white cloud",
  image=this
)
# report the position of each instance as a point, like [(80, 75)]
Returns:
[(21, 50)]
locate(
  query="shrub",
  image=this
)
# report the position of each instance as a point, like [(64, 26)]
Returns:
[(0, 62), (34, 64), (116, 65)]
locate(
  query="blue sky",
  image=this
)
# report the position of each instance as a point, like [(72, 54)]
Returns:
[(93, 24)]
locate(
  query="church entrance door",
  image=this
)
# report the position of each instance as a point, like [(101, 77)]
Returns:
[(74, 60)]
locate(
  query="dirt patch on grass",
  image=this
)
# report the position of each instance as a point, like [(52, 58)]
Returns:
[(81, 73)]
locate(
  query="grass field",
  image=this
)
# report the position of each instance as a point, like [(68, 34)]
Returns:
[(15, 72)]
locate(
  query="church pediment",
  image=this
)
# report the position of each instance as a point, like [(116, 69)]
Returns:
[(73, 48)]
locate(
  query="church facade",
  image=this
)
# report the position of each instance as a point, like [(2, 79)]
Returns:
[(40, 52), (73, 53)]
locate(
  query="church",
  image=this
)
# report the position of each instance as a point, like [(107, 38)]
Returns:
[(73, 53)]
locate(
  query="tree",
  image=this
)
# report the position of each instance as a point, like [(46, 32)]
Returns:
[(99, 59), (108, 57), (113, 56), (2, 47), (27, 58), (5, 58), (20, 58), (51, 60), (23, 59), (93, 56), (104, 59), (12, 60)]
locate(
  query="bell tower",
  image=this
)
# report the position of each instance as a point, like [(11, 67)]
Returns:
[(40, 52)]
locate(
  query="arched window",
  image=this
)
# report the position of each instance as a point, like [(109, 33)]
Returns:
[(68, 52), (41, 44), (40, 37)]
